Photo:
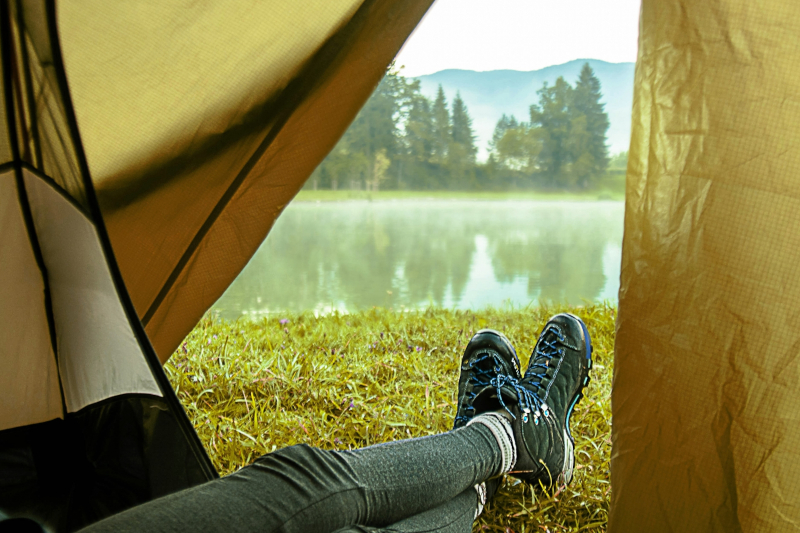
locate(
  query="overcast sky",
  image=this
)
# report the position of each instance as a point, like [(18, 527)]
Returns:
[(520, 34)]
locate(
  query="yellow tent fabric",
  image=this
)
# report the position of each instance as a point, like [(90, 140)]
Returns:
[(201, 122), (706, 396), (85, 406), (193, 124)]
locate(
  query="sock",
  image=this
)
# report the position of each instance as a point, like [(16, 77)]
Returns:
[(480, 488), (500, 427)]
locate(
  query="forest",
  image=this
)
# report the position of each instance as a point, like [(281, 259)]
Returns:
[(402, 140)]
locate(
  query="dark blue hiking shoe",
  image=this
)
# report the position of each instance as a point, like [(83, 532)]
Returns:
[(489, 361), (547, 394)]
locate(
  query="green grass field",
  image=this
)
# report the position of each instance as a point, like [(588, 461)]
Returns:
[(346, 381)]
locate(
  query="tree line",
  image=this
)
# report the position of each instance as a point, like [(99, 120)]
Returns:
[(403, 140)]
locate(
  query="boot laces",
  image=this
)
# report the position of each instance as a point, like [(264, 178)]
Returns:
[(483, 376), (551, 346), (492, 377), (528, 400)]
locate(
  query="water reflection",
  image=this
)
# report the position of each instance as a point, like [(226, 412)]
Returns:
[(462, 254)]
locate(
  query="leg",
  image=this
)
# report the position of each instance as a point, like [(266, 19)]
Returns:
[(454, 516), (306, 489)]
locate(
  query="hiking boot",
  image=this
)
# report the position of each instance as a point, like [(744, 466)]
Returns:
[(552, 385), (488, 362)]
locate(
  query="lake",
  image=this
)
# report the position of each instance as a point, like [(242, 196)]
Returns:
[(352, 255)]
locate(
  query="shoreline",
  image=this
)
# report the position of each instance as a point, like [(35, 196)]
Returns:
[(306, 196)]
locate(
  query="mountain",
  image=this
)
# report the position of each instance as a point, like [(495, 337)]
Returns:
[(490, 94)]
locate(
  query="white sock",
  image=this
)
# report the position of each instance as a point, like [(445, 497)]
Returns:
[(500, 427)]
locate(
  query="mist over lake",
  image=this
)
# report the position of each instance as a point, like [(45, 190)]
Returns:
[(464, 254)]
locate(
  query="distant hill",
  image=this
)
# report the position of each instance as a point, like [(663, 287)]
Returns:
[(490, 94)]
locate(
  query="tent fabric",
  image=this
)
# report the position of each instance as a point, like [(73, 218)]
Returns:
[(42, 125), (194, 124), (89, 336), (705, 398), (89, 424), (99, 356), (240, 101), (29, 375)]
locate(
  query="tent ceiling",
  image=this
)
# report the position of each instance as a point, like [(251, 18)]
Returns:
[(155, 78), (201, 122)]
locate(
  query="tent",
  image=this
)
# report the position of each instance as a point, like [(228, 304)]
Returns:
[(148, 147), (706, 391)]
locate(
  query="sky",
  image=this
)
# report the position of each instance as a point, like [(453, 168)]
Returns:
[(520, 34)]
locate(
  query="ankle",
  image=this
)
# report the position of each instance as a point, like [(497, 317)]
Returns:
[(499, 424)]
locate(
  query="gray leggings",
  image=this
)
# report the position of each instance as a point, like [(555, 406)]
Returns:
[(414, 485)]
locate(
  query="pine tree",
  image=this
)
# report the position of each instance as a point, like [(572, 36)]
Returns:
[(442, 128), (463, 136), (360, 157), (590, 125), (503, 125), (551, 120), (375, 129), (462, 150), (419, 131), (419, 141)]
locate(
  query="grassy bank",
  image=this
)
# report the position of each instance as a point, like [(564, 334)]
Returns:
[(343, 195), (346, 381), (609, 187)]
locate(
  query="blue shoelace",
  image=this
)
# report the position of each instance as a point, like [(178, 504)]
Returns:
[(482, 377), (544, 352), (528, 400)]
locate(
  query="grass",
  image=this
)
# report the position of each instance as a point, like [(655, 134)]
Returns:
[(346, 381)]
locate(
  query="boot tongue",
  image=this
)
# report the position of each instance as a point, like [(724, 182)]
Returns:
[(498, 395)]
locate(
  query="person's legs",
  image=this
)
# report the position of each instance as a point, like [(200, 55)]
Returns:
[(306, 489), (416, 483)]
